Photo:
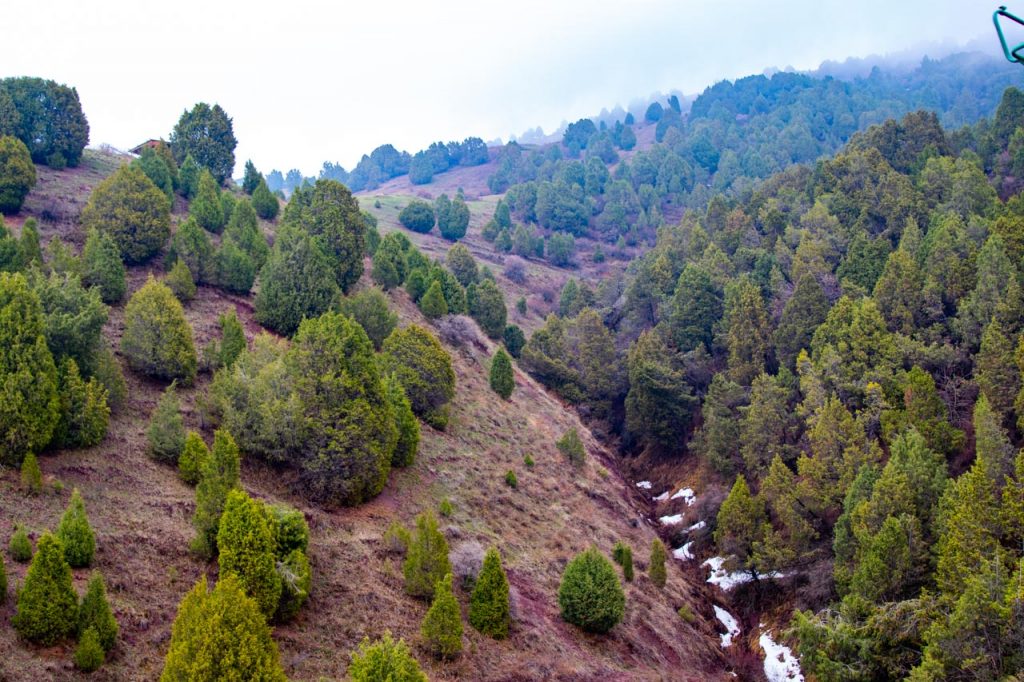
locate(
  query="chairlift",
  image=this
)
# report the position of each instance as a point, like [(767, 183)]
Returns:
[(1017, 53)]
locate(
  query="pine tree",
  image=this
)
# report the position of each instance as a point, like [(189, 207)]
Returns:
[(221, 635), (157, 339), (590, 595), (386, 660), (489, 610), (252, 177), (502, 380), (405, 420), (656, 564), (47, 605), (748, 334), (132, 210), (741, 526), (206, 208), (89, 655), (31, 476), (20, 546), (94, 613), (219, 477), (193, 458), (179, 280), (995, 370), (245, 545), (166, 432), (660, 403), (426, 561), (102, 267), (75, 533), (442, 626), (433, 304)]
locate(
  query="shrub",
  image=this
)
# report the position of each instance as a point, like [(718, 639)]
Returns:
[(193, 458), (487, 307), (514, 339), (221, 635), (47, 608), (417, 216), (20, 546), (95, 614), (206, 209), (442, 626), (166, 431), (84, 411), (560, 249), (462, 264), (297, 282), (31, 476), (157, 340), (528, 461), (370, 309), (291, 532), (133, 211), (102, 267), (192, 245), (396, 538), (426, 561), (515, 269), (489, 609), (424, 369), (511, 480), (245, 545), (687, 614), (408, 427), (433, 305), (590, 595), (235, 271), (622, 554), (656, 564), (386, 660), (76, 534), (571, 446), (296, 582), (264, 203), (218, 478), (89, 655), (179, 280), (445, 509), (206, 133), (17, 174), (501, 379)]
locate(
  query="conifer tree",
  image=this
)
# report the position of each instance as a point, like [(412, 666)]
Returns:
[(219, 477), (748, 335), (28, 243), (487, 307), (296, 581), (968, 529), (405, 420), (243, 229), (442, 626), (193, 458), (767, 429), (571, 446), (502, 379), (232, 338), (179, 280), (192, 246), (656, 564), (234, 269), (590, 595), (696, 307), (370, 309), (84, 411), (384, 659), (330, 215), (157, 339), (390, 263), (31, 476), (221, 635), (206, 208), (489, 610), (89, 655), (660, 403), (102, 267), (166, 432), (424, 369), (623, 556), (924, 411), (433, 304), (742, 526), (245, 546), (995, 370), (898, 292), (132, 210), (462, 264), (47, 608), (265, 204), (803, 312), (188, 177), (95, 613), (252, 177), (20, 546), (426, 561), (75, 533), (17, 174), (297, 282)]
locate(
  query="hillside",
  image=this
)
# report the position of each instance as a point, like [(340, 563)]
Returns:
[(141, 513)]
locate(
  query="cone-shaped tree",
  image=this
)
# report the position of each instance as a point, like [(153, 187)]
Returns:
[(370, 309), (487, 307), (386, 660), (234, 269), (157, 339), (252, 177), (179, 280), (297, 282), (244, 230), (47, 604), (17, 174), (656, 564), (219, 477), (192, 245), (408, 426), (489, 609), (132, 210), (433, 304), (166, 432), (31, 476), (502, 379), (84, 412), (76, 534), (296, 581), (31, 252), (623, 556), (590, 595), (20, 546), (442, 626), (232, 341), (188, 176), (193, 458), (426, 562), (221, 635), (329, 214), (264, 203), (206, 208), (89, 655), (102, 267), (425, 370), (245, 546), (742, 525), (95, 613)]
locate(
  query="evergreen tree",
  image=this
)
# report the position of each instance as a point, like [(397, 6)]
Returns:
[(417, 216), (84, 411), (924, 411), (590, 595), (487, 307), (424, 369), (133, 211), (660, 403), (156, 170), (442, 626), (221, 635), (94, 613), (405, 420), (235, 271), (31, 476), (426, 561), (571, 446), (514, 339), (995, 370), (76, 534), (433, 305), (17, 174), (245, 546), (656, 564), (252, 177), (193, 459), (20, 546), (180, 281), (28, 242), (232, 338), (462, 264), (296, 582), (89, 655), (370, 309), (264, 203), (102, 267), (804, 311), (206, 133), (898, 292), (623, 556), (297, 282), (192, 245), (390, 263), (166, 432), (243, 229), (157, 339), (748, 334), (489, 609), (454, 227), (73, 316), (502, 380), (968, 529), (696, 307), (218, 478), (742, 526), (188, 176), (206, 209), (384, 659), (47, 604), (718, 439), (994, 273), (767, 429)]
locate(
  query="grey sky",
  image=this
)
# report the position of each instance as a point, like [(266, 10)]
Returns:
[(310, 81)]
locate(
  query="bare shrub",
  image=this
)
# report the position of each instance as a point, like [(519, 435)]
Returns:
[(515, 269), (467, 559)]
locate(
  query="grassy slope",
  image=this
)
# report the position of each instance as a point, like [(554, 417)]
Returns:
[(141, 514)]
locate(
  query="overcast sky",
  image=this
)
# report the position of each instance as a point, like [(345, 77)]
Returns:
[(311, 81)]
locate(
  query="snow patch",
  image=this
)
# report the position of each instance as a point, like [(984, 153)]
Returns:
[(730, 623), (687, 494), (673, 520), (696, 526), (662, 497), (780, 665), (683, 553), (726, 580), (644, 485)]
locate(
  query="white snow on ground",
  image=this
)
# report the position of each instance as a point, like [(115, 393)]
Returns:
[(672, 520), (687, 494), (696, 526), (730, 623), (644, 485), (780, 665), (683, 553), (726, 580), (662, 497)]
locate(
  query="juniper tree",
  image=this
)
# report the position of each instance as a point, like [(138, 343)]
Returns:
[(590, 595), (180, 281), (442, 626), (47, 609), (623, 556), (656, 563), (166, 432), (102, 267), (75, 533), (426, 561), (206, 133), (264, 203), (232, 338), (433, 304), (384, 659), (488, 309), (28, 242), (370, 309), (20, 546), (405, 421), (252, 177), (89, 655), (218, 478), (244, 230), (193, 458), (297, 282), (390, 263), (132, 210), (424, 369), (245, 546), (95, 613), (157, 339), (31, 476), (489, 610), (234, 269), (188, 176), (462, 264), (502, 379), (84, 410), (17, 174), (192, 246)]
